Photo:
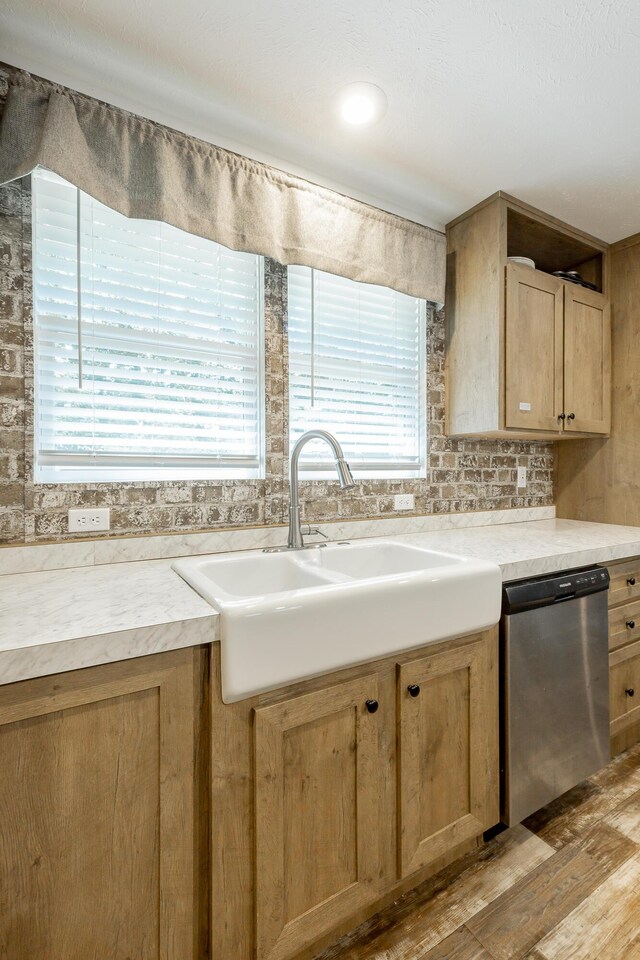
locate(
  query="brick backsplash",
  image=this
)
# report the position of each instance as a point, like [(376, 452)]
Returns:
[(462, 474)]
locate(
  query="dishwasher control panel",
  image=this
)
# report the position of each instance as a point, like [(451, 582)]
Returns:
[(522, 595)]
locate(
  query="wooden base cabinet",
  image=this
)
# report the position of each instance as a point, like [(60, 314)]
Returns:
[(324, 801), (317, 768), (335, 795), (448, 717), (97, 811), (624, 689), (624, 654)]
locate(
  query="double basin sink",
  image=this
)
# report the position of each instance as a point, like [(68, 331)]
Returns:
[(300, 613)]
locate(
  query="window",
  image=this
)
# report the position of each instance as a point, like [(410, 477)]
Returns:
[(357, 368), (148, 347)]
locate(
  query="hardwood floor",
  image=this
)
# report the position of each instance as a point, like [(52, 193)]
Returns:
[(565, 885)]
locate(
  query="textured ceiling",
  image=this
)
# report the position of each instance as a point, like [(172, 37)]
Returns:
[(536, 98)]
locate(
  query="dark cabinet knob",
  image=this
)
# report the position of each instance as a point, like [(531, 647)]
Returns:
[(630, 692), (571, 416), (631, 624), (372, 705), (414, 690), (631, 581), (562, 416)]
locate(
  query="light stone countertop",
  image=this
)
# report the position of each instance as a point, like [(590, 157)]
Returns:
[(536, 547), (67, 619), (59, 620)]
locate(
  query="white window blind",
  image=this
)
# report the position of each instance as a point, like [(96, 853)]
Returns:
[(357, 368), (148, 346)]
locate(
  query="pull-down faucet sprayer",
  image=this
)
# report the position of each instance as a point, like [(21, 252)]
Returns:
[(294, 540)]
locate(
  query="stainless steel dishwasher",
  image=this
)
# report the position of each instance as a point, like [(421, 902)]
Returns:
[(554, 673)]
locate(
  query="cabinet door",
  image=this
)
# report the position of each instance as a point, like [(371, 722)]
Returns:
[(587, 361), (97, 813), (317, 772), (533, 350), (448, 750)]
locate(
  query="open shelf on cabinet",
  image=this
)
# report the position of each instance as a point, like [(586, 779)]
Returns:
[(552, 248)]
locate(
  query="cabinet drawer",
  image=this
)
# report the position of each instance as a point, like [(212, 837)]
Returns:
[(624, 687), (620, 589), (624, 624)]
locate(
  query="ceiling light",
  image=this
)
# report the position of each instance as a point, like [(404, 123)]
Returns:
[(362, 104)]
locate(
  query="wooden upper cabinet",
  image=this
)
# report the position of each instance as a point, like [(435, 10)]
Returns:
[(447, 750), (587, 367), (317, 795), (528, 354), (534, 349)]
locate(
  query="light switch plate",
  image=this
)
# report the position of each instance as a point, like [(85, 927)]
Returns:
[(89, 520), (522, 478)]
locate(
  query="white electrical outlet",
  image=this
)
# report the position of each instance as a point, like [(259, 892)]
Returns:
[(522, 478), (89, 520), (403, 501)]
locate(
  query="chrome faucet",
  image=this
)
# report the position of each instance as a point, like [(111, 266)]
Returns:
[(294, 540)]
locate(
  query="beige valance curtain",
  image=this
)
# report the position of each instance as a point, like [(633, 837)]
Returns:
[(143, 169)]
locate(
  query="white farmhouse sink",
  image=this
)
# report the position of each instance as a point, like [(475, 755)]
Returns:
[(287, 616)]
